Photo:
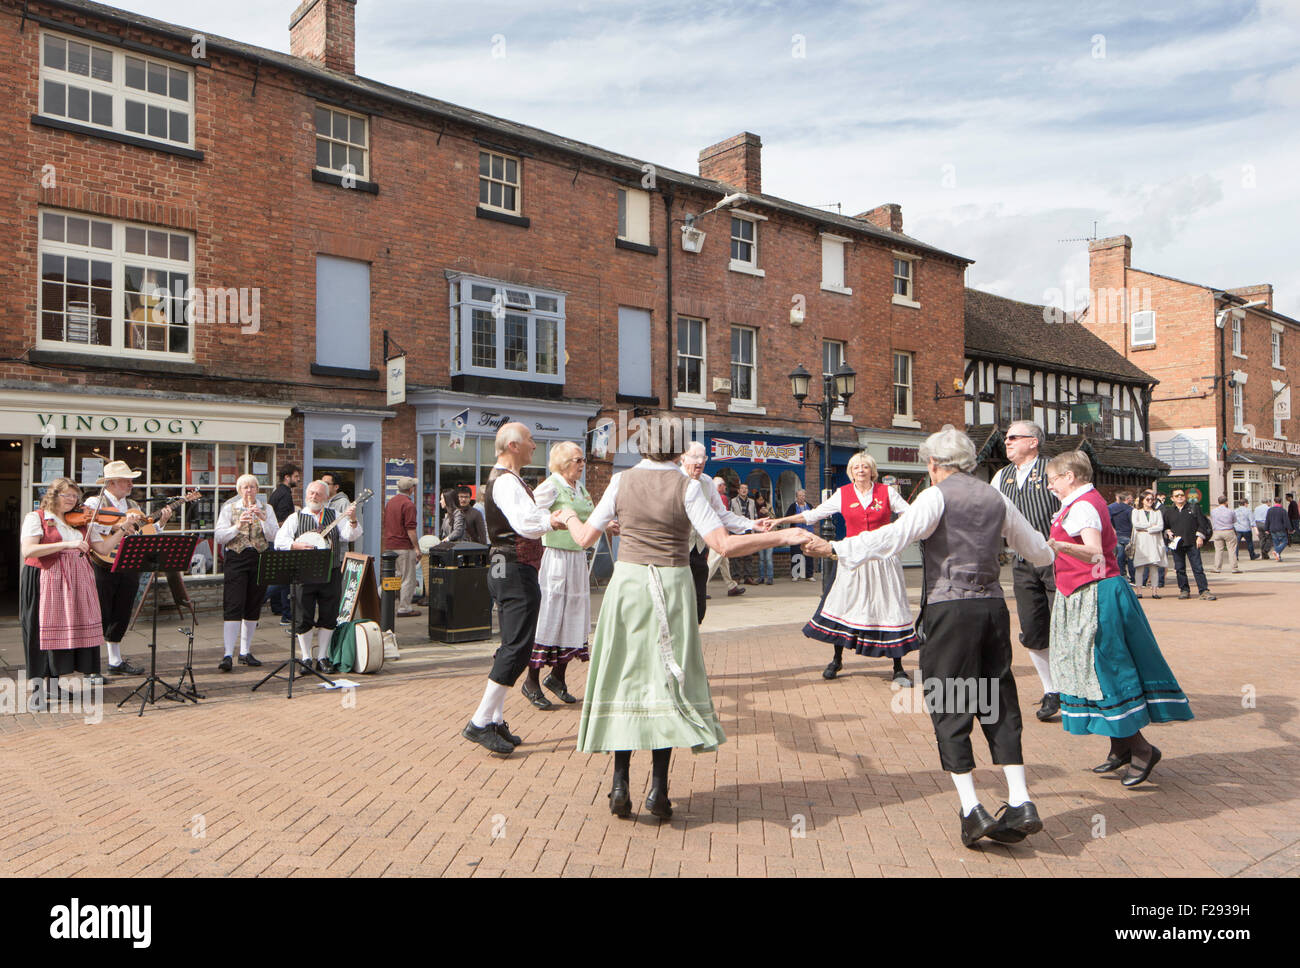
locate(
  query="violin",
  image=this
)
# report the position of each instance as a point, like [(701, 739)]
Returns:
[(80, 516)]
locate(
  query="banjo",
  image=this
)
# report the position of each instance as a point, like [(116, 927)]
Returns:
[(320, 539)]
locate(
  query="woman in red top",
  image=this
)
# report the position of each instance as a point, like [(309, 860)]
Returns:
[(1112, 678), (866, 608)]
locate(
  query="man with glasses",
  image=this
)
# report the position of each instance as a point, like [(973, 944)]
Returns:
[(1024, 483), (1186, 529)]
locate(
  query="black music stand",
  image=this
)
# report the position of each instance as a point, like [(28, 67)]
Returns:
[(311, 566), (155, 553), (192, 690)]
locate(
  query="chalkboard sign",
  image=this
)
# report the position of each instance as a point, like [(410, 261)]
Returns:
[(360, 599)]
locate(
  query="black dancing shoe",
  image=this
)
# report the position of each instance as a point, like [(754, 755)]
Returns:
[(620, 801), (488, 738), (124, 668), (1113, 762), (560, 689), (902, 678), (249, 659), (1049, 707), (658, 803), (832, 670), (975, 825), (503, 730), (226, 664), (1135, 776), (1016, 823), (536, 698)]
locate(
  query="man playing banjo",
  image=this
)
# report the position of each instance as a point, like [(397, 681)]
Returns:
[(318, 604)]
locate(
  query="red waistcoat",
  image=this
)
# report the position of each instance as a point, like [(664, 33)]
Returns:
[(1071, 573), (858, 518)]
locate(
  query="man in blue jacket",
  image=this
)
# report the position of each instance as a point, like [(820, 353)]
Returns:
[(1121, 516)]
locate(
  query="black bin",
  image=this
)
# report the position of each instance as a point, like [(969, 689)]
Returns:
[(459, 603)]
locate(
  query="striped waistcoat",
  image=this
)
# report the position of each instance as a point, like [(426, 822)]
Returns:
[(1035, 501)]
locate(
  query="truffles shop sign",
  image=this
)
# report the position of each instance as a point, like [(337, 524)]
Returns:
[(757, 451)]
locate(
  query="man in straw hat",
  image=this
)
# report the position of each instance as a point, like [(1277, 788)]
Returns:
[(117, 589)]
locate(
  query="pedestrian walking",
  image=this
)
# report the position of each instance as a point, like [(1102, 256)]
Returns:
[(1187, 529), (1261, 515), (1224, 535), (399, 536), (1243, 523), (1278, 525)]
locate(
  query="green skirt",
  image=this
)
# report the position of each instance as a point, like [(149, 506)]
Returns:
[(647, 687)]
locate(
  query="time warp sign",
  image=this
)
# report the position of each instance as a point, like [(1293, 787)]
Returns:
[(757, 451)]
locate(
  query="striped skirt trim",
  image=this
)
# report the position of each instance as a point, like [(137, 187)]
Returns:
[(558, 656), (892, 641)]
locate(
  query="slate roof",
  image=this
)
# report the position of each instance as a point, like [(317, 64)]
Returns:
[(1017, 332), (511, 130)]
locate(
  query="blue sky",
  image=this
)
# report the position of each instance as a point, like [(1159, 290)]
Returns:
[(1000, 128)]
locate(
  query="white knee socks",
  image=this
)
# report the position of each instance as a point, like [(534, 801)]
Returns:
[(1044, 668), (492, 708), (1017, 789), (114, 652), (231, 632), (304, 645), (246, 636), (323, 637), (965, 784)]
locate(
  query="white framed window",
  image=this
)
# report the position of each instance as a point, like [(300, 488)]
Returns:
[(342, 142), (902, 385), (1237, 327), (1143, 325), (692, 353), (1238, 408), (1277, 349), (506, 331), (744, 366), (744, 242), (114, 287), (832, 357), (499, 182), (107, 88), (833, 247), (634, 215)]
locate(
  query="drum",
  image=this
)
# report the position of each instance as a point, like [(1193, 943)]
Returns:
[(370, 647)]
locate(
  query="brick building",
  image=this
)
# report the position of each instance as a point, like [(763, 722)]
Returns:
[(215, 242), (1027, 362), (1222, 418)]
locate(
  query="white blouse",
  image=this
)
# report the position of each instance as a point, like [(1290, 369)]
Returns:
[(703, 518), (833, 504), (32, 527), (1078, 515)]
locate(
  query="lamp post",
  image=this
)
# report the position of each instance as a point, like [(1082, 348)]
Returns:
[(837, 387)]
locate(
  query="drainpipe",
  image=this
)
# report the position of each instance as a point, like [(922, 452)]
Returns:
[(1222, 416), (668, 246)]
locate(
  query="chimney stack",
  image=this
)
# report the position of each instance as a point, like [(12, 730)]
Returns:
[(1251, 293), (888, 217), (324, 31), (735, 162)]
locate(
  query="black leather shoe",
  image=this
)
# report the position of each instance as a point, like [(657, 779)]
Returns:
[(620, 801), (733, 592), (503, 730), (1113, 763), (559, 688), (1016, 823), (226, 664), (537, 698), (319, 665), (832, 670), (1049, 707), (1133, 777), (249, 660), (124, 668), (658, 803), (488, 738), (327, 667), (975, 825), (902, 678)]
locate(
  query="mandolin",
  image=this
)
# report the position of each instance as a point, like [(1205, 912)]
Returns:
[(320, 539), (114, 516)]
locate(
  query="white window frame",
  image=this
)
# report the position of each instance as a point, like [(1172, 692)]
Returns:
[(838, 413), (1275, 348), (361, 174), (634, 215), (685, 397), (1238, 337), (119, 259), (830, 285), (745, 404), (1149, 316), (517, 185), (908, 298), (1238, 409), (740, 265), (117, 90), (463, 304), (907, 419)]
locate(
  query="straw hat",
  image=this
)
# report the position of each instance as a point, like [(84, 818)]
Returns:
[(118, 468)]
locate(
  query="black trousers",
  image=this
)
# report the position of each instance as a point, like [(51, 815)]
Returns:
[(1035, 590), (967, 655), (241, 595), (318, 605), (700, 575), (116, 596), (519, 600)]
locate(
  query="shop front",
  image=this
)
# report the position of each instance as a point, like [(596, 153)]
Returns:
[(770, 465), (347, 444), (457, 439), (1261, 475), (181, 445), (898, 458)]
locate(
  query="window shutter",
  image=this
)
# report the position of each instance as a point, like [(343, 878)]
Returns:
[(342, 312), (634, 351), (833, 263)]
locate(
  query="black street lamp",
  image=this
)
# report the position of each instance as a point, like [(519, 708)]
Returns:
[(837, 388)]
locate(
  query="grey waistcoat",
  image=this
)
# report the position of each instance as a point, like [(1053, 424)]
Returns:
[(961, 557)]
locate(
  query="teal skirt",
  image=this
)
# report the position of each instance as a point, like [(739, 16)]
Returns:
[(647, 687), (1138, 688)]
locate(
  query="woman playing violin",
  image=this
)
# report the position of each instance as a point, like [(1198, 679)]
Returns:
[(57, 597)]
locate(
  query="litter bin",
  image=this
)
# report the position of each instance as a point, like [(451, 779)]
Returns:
[(459, 603)]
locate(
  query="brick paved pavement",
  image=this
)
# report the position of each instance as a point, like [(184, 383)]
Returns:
[(385, 786)]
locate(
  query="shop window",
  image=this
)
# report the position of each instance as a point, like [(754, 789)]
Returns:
[(507, 331)]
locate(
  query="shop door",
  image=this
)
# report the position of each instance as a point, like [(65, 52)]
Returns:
[(351, 480), (11, 518)]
